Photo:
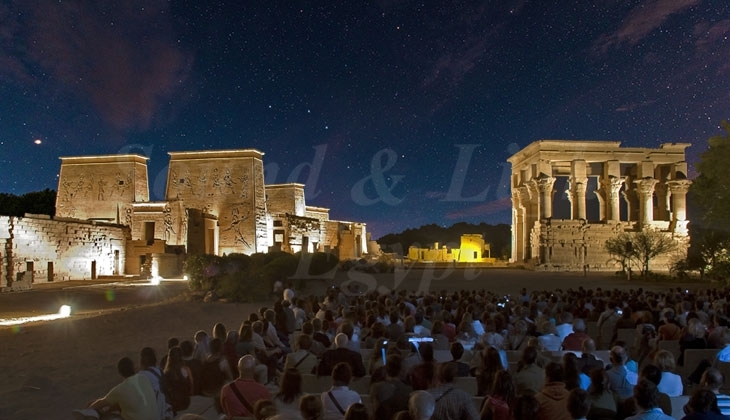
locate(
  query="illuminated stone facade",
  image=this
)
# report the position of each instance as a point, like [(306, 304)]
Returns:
[(633, 189), (472, 249), (216, 202), (37, 249)]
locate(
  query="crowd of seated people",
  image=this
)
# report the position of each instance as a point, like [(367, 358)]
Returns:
[(400, 332)]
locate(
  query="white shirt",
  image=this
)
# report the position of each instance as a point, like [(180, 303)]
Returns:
[(344, 396)]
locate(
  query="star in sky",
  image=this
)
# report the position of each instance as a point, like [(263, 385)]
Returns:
[(380, 100)]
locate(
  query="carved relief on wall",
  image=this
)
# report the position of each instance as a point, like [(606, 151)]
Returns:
[(236, 225), (169, 223)]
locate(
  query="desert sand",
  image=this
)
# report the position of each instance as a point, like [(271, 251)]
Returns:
[(51, 368)]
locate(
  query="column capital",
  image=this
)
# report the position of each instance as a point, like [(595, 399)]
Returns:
[(679, 186), (578, 184), (645, 186), (545, 184), (612, 184)]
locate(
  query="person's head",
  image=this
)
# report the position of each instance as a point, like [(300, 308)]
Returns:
[(270, 316), (125, 367), (187, 348), (310, 407), (492, 361), (588, 345), (245, 333), (617, 356), (651, 372), (263, 409), (579, 325), (421, 405), (696, 327), (147, 358), (172, 342), (457, 350), (665, 360), (426, 351), (219, 331), (529, 355), (290, 385), (646, 394), (174, 359), (341, 374), (341, 341), (200, 336), (578, 403), (357, 411), (304, 341), (448, 372), (216, 347), (554, 372), (703, 401), (713, 379), (393, 365), (599, 381), (526, 407), (258, 327), (503, 385), (246, 366), (307, 328)]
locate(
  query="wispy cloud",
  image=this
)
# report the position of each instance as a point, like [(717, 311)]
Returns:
[(634, 105), (641, 21), (119, 56)]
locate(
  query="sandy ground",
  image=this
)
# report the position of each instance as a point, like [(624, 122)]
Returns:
[(50, 368)]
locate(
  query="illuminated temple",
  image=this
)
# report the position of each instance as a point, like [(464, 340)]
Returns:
[(216, 202), (628, 188)]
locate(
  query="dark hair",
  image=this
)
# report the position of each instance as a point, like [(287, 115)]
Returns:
[(703, 401), (187, 348), (357, 411), (598, 381), (646, 394), (245, 333), (526, 407), (263, 409), (571, 371), (342, 373), (310, 407), (457, 350), (578, 403), (554, 372), (290, 385), (504, 386), (147, 357), (219, 331), (651, 372), (125, 367), (393, 365), (174, 361), (216, 346), (448, 372), (304, 341)]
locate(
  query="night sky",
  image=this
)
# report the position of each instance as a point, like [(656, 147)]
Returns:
[(395, 113)]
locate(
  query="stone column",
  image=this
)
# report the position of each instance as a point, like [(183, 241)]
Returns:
[(545, 186), (612, 186), (578, 197), (662, 194), (645, 189), (679, 188), (518, 220)]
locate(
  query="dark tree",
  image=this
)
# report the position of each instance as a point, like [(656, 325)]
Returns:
[(39, 202)]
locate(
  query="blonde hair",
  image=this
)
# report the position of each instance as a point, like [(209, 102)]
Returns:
[(665, 360)]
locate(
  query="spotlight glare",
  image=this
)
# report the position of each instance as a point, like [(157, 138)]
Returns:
[(155, 281), (65, 311)]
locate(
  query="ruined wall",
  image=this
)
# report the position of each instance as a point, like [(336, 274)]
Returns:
[(577, 245), (226, 184), (66, 248), (97, 187)]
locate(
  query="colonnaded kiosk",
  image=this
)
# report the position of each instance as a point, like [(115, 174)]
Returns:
[(632, 189)]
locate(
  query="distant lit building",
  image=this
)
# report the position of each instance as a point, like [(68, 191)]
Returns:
[(472, 249)]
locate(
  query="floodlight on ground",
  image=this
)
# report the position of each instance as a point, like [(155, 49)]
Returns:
[(65, 311)]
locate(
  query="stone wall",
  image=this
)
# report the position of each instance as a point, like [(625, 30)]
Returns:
[(67, 249), (97, 187), (228, 185), (577, 245)]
